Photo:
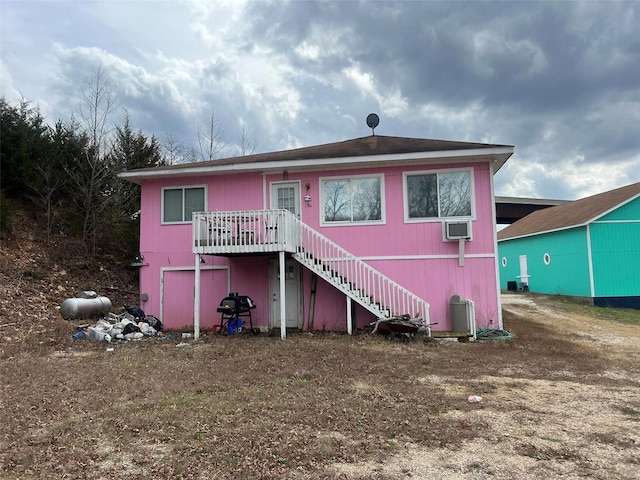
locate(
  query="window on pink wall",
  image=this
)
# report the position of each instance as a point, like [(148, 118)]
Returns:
[(179, 203), (433, 195), (348, 200)]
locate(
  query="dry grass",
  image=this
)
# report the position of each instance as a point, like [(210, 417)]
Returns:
[(561, 399), (308, 407)]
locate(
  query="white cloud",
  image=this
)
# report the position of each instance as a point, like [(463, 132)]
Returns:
[(308, 51), (7, 88), (131, 80), (215, 21), (392, 103), (557, 80), (458, 121), (573, 177)]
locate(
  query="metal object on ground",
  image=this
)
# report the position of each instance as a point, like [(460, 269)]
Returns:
[(76, 308), (460, 316), (232, 308), (403, 325)]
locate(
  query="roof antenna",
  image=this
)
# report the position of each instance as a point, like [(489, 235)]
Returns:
[(372, 122)]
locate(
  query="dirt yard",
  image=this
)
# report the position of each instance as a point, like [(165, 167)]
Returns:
[(562, 399)]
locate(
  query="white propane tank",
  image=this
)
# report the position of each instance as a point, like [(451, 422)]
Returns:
[(73, 308)]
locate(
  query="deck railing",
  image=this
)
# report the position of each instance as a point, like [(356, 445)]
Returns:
[(256, 231), (245, 231)]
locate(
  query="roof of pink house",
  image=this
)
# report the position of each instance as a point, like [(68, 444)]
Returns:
[(570, 214), (375, 148)]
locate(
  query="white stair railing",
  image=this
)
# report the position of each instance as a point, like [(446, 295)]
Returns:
[(361, 282), (250, 231)]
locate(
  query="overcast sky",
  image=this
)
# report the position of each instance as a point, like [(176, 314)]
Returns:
[(558, 80)]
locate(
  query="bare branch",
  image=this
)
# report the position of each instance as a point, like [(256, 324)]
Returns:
[(211, 138)]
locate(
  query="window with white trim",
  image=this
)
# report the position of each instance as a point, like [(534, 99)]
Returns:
[(178, 204), (439, 194), (352, 200)]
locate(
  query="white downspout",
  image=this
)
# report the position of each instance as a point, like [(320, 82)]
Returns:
[(592, 285), (196, 300), (495, 245), (349, 329), (283, 317)]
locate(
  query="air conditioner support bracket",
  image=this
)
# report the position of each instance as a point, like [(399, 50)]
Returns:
[(461, 252)]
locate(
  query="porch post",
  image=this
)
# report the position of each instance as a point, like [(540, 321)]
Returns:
[(283, 317), (196, 300), (349, 327)]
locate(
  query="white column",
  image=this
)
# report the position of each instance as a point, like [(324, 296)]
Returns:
[(495, 246), (592, 285), (283, 316), (349, 322), (196, 300)]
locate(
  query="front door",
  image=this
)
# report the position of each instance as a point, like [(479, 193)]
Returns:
[(293, 306), (286, 196)]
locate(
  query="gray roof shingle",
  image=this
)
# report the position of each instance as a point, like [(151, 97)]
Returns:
[(358, 147)]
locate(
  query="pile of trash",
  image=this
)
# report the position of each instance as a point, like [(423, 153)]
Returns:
[(134, 324)]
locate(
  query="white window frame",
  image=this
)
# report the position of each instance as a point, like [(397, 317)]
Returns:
[(183, 188), (322, 181), (405, 195)]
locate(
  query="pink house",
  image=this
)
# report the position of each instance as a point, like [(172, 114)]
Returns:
[(328, 237)]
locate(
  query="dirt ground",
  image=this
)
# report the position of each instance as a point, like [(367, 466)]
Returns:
[(561, 399)]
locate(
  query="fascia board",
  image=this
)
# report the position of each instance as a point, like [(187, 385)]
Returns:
[(345, 162), (568, 227)]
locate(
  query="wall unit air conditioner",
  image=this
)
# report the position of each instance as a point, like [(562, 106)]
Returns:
[(457, 230)]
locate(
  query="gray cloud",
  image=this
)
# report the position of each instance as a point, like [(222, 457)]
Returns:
[(559, 80)]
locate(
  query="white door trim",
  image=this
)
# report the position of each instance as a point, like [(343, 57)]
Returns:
[(298, 186)]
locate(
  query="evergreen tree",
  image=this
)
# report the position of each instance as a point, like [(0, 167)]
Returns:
[(129, 150), (24, 137)]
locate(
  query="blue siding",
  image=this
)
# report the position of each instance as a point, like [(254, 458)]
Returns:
[(615, 250), (629, 211), (567, 272)]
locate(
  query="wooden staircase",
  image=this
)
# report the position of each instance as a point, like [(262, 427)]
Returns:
[(365, 285), (256, 232)]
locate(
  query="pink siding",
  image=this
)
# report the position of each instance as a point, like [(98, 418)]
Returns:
[(177, 311), (413, 254)]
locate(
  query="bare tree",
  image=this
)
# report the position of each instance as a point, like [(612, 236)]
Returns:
[(366, 199), (211, 138), (91, 173), (455, 194), (423, 195), (97, 103), (337, 201), (49, 168), (247, 143), (173, 150)]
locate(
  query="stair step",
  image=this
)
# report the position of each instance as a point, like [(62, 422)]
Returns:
[(327, 271)]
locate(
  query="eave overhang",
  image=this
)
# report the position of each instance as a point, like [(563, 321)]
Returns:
[(496, 154)]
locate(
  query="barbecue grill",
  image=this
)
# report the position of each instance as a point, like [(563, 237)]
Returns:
[(232, 308)]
